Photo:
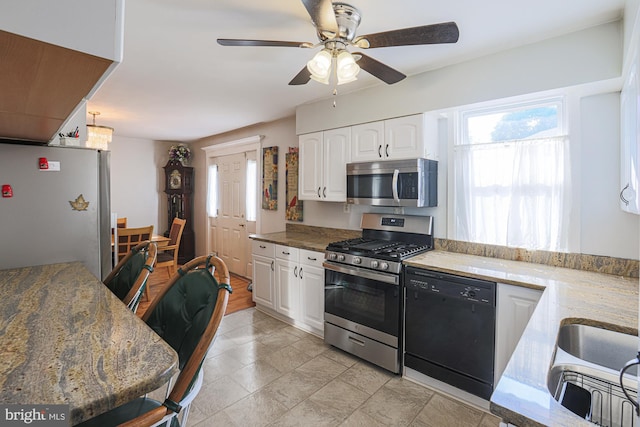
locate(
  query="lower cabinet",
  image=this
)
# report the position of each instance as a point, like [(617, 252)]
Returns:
[(515, 305), (263, 288), (289, 283)]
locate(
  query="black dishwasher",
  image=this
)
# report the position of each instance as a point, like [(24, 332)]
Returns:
[(450, 324)]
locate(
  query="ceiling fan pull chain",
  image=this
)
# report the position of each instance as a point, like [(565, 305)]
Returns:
[(335, 94)]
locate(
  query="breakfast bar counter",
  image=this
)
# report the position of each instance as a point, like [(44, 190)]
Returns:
[(66, 339), (570, 296)]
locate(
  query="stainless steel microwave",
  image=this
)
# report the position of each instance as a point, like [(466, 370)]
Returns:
[(411, 183)]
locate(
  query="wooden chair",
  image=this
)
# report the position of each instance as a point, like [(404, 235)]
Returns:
[(128, 279), (186, 314), (168, 255), (130, 237), (121, 222)]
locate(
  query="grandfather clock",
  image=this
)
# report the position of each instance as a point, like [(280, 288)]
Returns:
[(179, 189)]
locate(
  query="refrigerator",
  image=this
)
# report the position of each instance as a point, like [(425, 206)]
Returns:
[(55, 214)]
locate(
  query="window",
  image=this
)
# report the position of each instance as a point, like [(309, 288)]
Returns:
[(252, 180), (511, 183), (212, 191)]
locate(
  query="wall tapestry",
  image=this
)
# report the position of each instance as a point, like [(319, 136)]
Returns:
[(294, 206), (270, 178)]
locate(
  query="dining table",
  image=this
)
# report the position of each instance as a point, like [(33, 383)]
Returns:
[(66, 339)]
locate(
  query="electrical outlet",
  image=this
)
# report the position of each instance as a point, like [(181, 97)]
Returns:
[(53, 167), (346, 208)]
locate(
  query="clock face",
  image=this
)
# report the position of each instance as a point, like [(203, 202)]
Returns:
[(175, 180)]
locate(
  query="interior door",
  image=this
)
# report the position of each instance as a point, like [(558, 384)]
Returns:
[(231, 233)]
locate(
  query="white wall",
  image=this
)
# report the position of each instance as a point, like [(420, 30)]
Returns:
[(137, 181), (279, 133)]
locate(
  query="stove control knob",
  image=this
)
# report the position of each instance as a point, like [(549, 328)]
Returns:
[(384, 266), (340, 257), (374, 264), (332, 256), (357, 260)]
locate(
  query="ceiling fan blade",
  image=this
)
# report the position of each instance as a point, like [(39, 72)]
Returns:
[(378, 69), (302, 78), (276, 43), (446, 32), (322, 15)]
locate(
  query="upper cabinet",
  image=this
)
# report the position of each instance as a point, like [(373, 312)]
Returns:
[(629, 139), (323, 165), (406, 137)]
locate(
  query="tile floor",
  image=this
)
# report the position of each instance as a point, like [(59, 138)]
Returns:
[(263, 372)]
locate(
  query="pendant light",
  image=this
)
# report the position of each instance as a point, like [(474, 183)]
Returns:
[(98, 137)]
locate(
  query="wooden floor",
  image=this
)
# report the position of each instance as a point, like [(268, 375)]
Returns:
[(239, 299)]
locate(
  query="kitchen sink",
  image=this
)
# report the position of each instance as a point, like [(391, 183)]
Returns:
[(584, 376), (603, 347)]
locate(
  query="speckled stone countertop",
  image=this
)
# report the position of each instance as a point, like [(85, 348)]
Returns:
[(570, 296), (307, 237), (66, 339)]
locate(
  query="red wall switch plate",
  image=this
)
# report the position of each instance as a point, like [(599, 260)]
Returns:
[(43, 163), (7, 191)]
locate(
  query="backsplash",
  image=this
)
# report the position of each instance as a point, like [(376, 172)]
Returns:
[(596, 263)]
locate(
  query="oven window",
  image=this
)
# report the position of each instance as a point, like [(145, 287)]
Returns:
[(364, 301)]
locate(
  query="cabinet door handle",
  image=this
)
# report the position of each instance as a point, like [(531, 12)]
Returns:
[(625, 201), (295, 271), (301, 272), (272, 265), (286, 253), (312, 259), (324, 192), (263, 247), (380, 150), (318, 192), (386, 150)]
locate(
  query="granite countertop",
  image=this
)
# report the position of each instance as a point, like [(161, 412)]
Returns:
[(310, 238), (66, 339), (570, 296)]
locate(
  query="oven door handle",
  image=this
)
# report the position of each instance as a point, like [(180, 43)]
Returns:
[(392, 279), (394, 186)]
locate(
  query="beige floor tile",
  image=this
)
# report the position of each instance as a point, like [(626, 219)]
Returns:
[(217, 395), (286, 359), (490, 420), (313, 346), (391, 408), (219, 419), (256, 375), (219, 366), (361, 419), (366, 377), (244, 334), (340, 356), (409, 390), (442, 411), (307, 414), (292, 388), (278, 339), (322, 369), (257, 409), (339, 398)]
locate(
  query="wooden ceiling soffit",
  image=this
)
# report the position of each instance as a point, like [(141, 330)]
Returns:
[(41, 84)]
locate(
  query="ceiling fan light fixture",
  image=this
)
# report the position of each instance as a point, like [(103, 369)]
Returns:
[(346, 68), (320, 66)]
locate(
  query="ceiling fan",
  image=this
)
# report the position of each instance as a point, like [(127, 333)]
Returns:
[(336, 25)]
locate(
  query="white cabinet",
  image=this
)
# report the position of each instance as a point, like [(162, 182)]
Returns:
[(287, 281), (515, 306), (629, 140), (322, 169), (406, 137), (312, 289), (263, 292)]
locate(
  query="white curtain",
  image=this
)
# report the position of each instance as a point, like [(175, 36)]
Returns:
[(514, 194)]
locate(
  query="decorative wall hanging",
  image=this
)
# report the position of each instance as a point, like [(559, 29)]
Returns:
[(270, 178), (294, 206), (79, 204)]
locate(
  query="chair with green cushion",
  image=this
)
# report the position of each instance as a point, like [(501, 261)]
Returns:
[(128, 279), (186, 314)]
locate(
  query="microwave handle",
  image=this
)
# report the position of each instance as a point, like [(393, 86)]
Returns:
[(394, 185)]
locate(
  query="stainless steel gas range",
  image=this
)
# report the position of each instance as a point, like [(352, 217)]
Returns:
[(363, 295)]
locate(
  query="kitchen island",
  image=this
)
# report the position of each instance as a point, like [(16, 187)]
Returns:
[(521, 397), (66, 339)]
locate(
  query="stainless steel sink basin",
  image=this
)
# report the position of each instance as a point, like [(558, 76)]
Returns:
[(599, 346), (586, 362)]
